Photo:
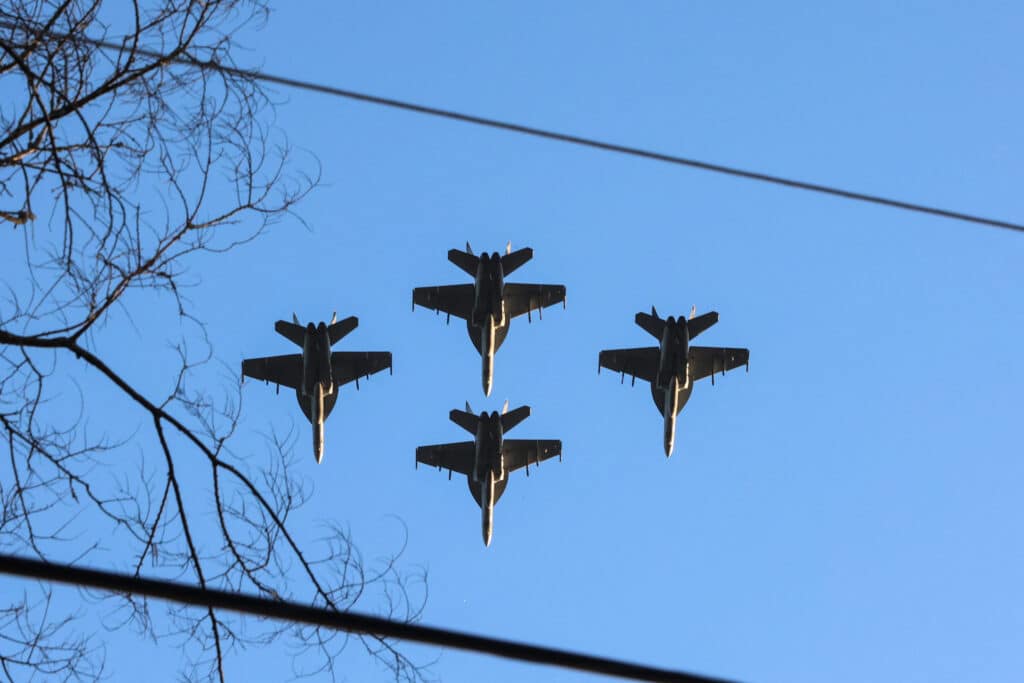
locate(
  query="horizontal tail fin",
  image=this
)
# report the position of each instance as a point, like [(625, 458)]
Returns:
[(464, 260), (467, 421), (291, 331), (651, 322), (337, 331), (514, 417), (695, 326), (509, 262)]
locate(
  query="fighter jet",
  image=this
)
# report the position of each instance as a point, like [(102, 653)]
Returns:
[(674, 366), (316, 374), (487, 460), (489, 304)]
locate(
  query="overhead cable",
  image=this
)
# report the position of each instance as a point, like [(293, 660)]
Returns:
[(353, 622), (552, 135)]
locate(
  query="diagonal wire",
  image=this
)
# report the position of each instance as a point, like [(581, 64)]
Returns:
[(344, 621), (553, 135)]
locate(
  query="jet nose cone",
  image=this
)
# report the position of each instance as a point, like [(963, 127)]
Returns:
[(488, 528), (319, 454), (668, 447), (487, 386)]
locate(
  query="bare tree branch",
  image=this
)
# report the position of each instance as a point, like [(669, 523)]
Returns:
[(116, 168)]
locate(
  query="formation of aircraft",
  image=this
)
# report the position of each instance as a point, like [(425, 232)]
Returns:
[(490, 457), (673, 366), (488, 306), (317, 373)]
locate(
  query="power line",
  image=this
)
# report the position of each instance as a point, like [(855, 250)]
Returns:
[(617, 148), (552, 135), (343, 621)]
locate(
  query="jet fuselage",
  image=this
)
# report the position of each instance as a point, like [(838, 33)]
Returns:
[(489, 283), (488, 468), (317, 381), (673, 375), (674, 365), (488, 317)]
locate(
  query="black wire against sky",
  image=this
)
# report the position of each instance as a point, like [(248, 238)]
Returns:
[(551, 135), (343, 621)]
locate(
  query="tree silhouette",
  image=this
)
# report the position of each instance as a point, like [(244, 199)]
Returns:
[(117, 169)]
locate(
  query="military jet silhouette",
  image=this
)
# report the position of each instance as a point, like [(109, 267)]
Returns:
[(674, 365), (489, 304), (487, 460), (316, 374)]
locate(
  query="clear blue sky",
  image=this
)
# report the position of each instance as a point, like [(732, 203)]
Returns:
[(848, 511)]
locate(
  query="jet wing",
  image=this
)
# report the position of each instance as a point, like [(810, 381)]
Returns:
[(284, 370), (351, 365), (458, 457), (524, 452), (642, 362), (705, 360), (520, 298), (454, 300)]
